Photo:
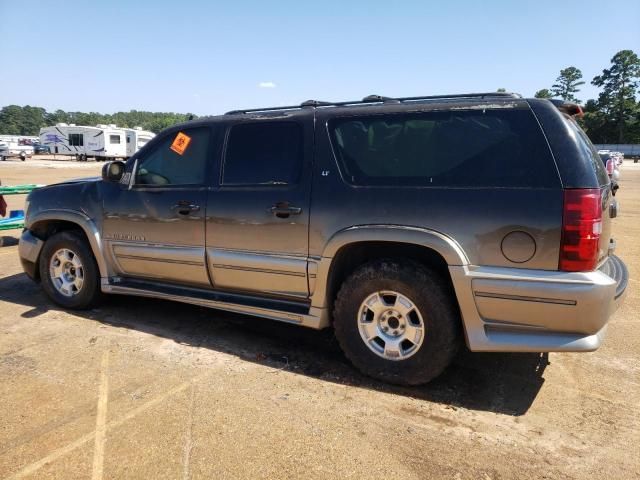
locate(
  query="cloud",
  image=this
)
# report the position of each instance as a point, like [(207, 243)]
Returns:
[(267, 85)]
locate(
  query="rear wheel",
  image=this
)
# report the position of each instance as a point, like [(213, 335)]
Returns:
[(396, 321), (69, 272)]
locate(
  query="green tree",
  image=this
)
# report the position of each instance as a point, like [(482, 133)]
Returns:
[(567, 84), (544, 93), (619, 85)]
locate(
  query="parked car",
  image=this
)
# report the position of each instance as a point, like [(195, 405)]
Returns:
[(40, 149), (409, 225), (611, 165)]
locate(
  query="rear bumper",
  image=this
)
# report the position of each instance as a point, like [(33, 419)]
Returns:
[(519, 310)]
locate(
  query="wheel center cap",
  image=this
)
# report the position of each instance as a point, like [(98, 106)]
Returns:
[(392, 323)]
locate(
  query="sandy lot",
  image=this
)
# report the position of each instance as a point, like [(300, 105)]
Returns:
[(150, 389)]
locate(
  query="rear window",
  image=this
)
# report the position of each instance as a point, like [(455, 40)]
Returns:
[(590, 152), (479, 148)]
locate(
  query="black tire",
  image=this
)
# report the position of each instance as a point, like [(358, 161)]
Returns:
[(90, 293), (442, 331)]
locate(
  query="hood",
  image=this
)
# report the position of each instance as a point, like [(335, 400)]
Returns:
[(76, 180)]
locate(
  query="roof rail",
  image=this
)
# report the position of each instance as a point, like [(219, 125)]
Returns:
[(379, 99)]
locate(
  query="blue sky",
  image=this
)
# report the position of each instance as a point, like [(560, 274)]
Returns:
[(207, 57)]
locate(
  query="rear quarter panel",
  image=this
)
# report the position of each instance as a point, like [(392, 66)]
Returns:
[(476, 218)]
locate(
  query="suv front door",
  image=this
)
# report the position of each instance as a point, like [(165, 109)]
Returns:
[(258, 216), (154, 224)]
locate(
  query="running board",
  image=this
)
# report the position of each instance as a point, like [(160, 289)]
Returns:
[(288, 311)]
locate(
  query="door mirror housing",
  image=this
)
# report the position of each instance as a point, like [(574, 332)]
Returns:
[(113, 171)]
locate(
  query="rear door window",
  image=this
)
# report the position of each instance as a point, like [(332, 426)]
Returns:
[(479, 148), (263, 153)]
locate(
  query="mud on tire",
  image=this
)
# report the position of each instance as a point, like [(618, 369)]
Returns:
[(89, 293), (439, 315)]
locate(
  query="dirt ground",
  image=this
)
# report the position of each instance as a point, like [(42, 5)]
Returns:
[(143, 388)]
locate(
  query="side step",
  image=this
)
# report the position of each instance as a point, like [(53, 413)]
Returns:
[(274, 309)]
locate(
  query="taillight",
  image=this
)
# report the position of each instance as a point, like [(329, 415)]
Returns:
[(581, 228)]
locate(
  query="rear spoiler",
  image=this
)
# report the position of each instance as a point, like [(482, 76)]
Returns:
[(571, 109)]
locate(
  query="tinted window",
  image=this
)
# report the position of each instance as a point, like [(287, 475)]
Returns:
[(263, 154), (590, 152), (178, 159), (76, 140), (114, 138), (492, 148)]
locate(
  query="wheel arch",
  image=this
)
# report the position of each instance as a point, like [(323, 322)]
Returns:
[(48, 222), (352, 247)]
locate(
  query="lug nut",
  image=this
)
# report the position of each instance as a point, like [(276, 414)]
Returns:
[(385, 329)]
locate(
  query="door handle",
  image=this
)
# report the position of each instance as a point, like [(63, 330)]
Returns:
[(185, 207), (284, 210)]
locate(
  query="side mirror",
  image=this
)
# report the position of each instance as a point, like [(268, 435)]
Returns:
[(113, 171)]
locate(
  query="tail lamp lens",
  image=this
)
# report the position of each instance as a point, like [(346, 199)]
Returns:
[(581, 229)]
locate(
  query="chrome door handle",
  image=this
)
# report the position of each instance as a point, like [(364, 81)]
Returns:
[(185, 208), (284, 210)]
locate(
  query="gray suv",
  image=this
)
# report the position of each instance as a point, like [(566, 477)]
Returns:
[(409, 225)]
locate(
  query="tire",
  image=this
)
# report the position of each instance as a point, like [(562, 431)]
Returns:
[(4, 159), (23, 156), (89, 292), (434, 308)]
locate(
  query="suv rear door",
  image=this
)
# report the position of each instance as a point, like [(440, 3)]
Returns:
[(258, 215)]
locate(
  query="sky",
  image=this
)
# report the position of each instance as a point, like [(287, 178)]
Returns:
[(207, 57)]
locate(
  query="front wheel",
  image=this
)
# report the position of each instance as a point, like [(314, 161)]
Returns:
[(69, 272), (397, 322)]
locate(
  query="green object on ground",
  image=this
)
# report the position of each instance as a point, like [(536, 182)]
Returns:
[(18, 189), (18, 223)]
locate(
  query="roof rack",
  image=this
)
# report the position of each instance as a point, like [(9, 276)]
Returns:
[(378, 99)]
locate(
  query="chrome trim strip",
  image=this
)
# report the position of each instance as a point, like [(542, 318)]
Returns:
[(163, 260), (523, 298), (260, 270)]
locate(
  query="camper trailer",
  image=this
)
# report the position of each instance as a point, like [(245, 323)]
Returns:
[(102, 142), (136, 139)]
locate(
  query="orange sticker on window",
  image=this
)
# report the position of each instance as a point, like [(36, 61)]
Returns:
[(180, 143)]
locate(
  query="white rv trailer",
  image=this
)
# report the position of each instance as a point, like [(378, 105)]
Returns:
[(102, 142), (136, 139)]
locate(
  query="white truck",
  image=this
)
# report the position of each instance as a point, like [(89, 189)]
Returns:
[(102, 142), (15, 146)]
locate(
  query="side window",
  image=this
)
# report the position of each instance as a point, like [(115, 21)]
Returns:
[(114, 139), (263, 153), (473, 148), (76, 140), (178, 159)]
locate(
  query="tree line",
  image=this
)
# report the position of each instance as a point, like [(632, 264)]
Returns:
[(614, 117), (27, 120)]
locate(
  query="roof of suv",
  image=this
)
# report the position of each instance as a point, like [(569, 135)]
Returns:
[(373, 104), (372, 100)]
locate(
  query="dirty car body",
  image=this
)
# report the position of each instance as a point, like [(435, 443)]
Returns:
[(488, 220)]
